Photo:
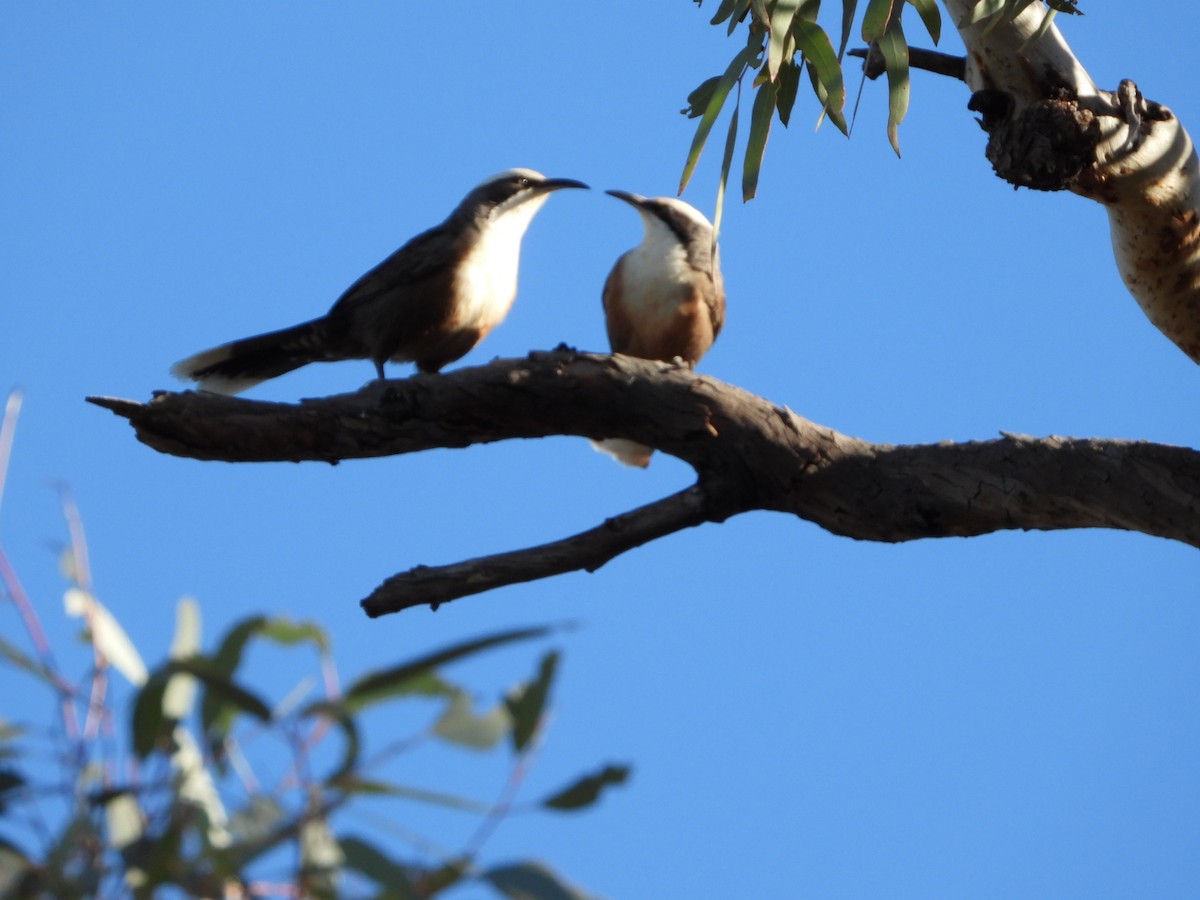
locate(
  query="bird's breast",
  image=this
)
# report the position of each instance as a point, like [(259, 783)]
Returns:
[(656, 306), (486, 283), (655, 279)]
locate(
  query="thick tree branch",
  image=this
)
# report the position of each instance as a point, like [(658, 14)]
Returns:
[(748, 454)]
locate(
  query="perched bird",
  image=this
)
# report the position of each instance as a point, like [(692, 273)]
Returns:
[(429, 302), (665, 298)]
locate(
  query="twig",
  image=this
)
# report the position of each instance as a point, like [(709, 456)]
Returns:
[(930, 60), (588, 550), (8, 429)]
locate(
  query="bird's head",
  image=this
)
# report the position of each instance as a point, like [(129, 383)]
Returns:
[(669, 217), (509, 193), (687, 223)]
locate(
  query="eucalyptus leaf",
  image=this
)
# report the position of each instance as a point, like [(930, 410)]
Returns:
[(337, 713), (531, 881), (699, 98), (895, 58), (460, 725), (352, 785), (22, 661), (848, 9), (399, 680), (527, 703), (367, 859), (756, 142), (723, 180), (724, 11), (586, 790), (875, 19), (788, 85), (818, 53), (716, 101), (148, 726), (781, 40), (931, 16)]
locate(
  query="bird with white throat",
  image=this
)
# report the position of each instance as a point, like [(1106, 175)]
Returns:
[(665, 298), (428, 303)]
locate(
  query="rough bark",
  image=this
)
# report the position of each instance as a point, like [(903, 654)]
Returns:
[(748, 454)]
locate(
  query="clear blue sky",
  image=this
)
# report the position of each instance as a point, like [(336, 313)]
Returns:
[(808, 716)]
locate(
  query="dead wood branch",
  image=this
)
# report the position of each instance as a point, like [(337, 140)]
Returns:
[(748, 454)]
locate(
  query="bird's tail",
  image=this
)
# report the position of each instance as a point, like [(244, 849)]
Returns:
[(232, 368), (631, 453)]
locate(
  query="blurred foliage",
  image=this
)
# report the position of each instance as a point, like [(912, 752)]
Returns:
[(783, 41), (166, 797)]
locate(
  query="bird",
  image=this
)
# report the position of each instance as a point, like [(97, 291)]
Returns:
[(428, 303), (665, 298)]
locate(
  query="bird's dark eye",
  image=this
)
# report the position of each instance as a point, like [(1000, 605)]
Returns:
[(523, 181)]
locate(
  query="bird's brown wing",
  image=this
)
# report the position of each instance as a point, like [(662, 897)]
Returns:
[(424, 256)]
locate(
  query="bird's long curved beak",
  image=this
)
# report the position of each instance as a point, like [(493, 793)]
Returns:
[(557, 184), (634, 200)]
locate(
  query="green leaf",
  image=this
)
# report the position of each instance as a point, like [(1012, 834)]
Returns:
[(781, 45), (531, 881), (848, 9), (459, 724), (818, 53), (788, 85), (875, 20), (19, 659), (258, 820), (717, 100), (400, 680), (286, 633), (699, 98), (148, 726), (15, 866), (259, 828), (218, 681), (369, 860), (586, 790), (152, 724), (526, 704), (451, 873), (9, 781), (354, 785), (724, 11), (217, 715), (1070, 7), (337, 713), (931, 16), (723, 181), (895, 60), (741, 7), (80, 832), (756, 141)]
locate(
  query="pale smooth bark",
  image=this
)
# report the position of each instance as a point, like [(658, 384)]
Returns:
[(1143, 166)]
